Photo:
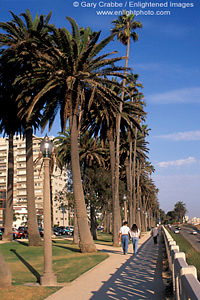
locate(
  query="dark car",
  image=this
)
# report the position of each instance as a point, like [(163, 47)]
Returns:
[(178, 228), (41, 231), (56, 231), (61, 230), (1, 232)]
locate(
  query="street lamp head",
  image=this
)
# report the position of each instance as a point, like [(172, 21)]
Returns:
[(46, 147)]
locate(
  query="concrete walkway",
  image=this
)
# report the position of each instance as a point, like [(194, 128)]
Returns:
[(120, 276)]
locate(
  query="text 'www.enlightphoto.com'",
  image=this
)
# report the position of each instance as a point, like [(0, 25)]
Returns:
[(146, 8)]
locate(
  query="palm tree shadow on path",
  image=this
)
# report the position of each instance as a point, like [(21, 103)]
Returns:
[(140, 277)]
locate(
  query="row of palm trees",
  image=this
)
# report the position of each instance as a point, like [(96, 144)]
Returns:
[(47, 70)]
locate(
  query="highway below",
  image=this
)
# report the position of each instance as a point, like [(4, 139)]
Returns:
[(194, 240)]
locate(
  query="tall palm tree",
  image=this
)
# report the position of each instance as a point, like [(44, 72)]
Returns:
[(124, 28), (104, 127), (73, 74), (137, 98), (20, 38), (9, 125), (141, 156)]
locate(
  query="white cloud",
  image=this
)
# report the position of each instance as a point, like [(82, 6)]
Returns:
[(187, 95), (182, 136), (177, 163)]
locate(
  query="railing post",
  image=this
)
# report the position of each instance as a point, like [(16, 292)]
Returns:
[(171, 244), (189, 270), (174, 251), (176, 275)]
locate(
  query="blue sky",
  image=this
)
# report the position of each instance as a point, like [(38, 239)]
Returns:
[(166, 57)]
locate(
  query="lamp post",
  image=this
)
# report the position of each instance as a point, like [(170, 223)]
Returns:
[(48, 278), (125, 208)]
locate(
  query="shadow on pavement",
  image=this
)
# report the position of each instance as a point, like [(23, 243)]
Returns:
[(111, 251), (140, 277)]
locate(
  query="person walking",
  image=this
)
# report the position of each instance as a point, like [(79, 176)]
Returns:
[(124, 237), (135, 235), (154, 233)]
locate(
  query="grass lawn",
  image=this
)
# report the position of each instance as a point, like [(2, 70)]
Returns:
[(192, 256), (104, 239), (26, 265)]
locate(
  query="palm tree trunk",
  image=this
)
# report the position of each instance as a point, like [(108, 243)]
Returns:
[(142, 213), (127, 166), (131, 186), (145, 213), (8, 235), (93, 222), (33, 232), (5, 274), (115, 205), (138, 219), (76, 234), (116, 223), (86, 242), (107, 217), (134, 177)]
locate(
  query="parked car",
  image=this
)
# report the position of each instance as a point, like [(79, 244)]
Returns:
[(194, 232), (17, 234), (69, 230), (1, 232), (100, 228), (41, 231), (23, 231), (61, 230), (56, 231)]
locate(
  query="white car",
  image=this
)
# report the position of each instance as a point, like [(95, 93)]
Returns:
[(176, 231), (194, 232)]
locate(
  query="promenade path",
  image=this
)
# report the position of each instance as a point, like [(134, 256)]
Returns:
[(120, 276)]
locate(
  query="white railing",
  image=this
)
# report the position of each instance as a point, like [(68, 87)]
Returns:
[(185, 283)]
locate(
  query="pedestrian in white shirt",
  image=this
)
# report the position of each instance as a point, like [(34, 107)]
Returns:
[(124, 237), (135, 235)]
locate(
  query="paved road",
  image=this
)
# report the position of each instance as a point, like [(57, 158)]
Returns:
[(193, 239)]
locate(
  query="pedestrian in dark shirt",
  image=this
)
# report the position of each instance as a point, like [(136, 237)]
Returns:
[(154, 233)]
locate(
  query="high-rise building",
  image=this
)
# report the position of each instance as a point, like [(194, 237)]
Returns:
[(58, 181)]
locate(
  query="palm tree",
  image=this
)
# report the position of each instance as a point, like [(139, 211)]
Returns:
[(9, 125), (72, 75), (124, 28), (180, 210), (102, 124), (92, 156), (21, 42)]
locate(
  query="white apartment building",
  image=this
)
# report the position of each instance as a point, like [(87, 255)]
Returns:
[(58, 181)]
